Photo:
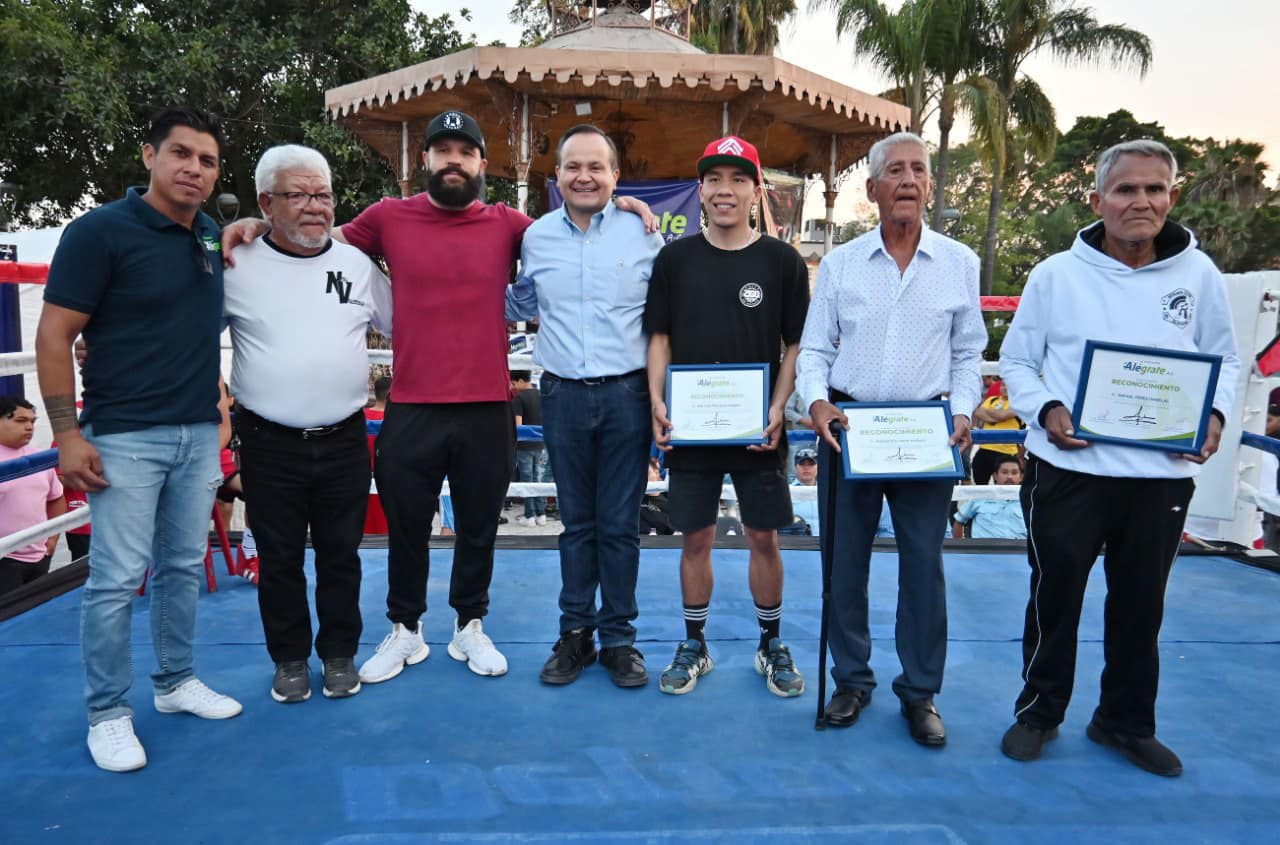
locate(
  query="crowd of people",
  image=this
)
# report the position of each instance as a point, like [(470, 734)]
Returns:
[(894, 317)]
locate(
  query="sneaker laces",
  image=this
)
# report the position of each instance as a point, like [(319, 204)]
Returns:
[(779, 659), (197, 690), (479, 639), (117, 734), (686, 658)]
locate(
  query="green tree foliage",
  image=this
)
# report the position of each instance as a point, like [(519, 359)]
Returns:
[(83, 76)]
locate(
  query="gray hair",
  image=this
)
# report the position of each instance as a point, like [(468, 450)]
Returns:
[(287, 157), (1144, 147), (880, 151)]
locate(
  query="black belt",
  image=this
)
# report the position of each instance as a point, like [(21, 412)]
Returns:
[(841, 396), (300, 433), (595, 379)]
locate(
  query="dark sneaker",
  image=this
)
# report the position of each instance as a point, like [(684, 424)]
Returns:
[(1145, 752), (626, 666), (691, 660), (341, 680), (292, 683), (780, 673), (573, 652), (1024, 743)]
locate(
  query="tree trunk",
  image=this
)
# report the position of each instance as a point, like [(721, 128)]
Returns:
[(946, 119), (989, 245), (733, 27)]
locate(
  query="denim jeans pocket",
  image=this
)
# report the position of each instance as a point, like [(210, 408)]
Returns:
[(548, 385)]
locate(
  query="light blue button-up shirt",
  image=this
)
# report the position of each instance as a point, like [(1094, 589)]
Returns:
[(588, 290)]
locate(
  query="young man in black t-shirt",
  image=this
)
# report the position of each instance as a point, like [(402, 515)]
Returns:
[(728, 296), (531, 456)]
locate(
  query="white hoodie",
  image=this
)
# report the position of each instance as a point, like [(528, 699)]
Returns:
[(1084, 294)]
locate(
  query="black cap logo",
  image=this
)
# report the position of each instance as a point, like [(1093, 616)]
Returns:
[(452, 120)]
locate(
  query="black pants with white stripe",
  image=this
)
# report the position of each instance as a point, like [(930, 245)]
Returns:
[(1070, 517)]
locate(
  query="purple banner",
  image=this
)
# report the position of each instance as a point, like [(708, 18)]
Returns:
[(674, 202)]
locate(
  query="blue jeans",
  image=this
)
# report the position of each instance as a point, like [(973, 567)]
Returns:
[(531, 466), (598, 438), (156, 512)]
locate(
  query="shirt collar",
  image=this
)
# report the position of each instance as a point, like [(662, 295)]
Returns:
[(202, 224), (599, 220), (927, 247)]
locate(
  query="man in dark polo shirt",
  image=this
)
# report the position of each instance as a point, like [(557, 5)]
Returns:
[(451, 257), (141, 278)]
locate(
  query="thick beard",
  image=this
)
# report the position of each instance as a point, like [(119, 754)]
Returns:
[(455, 197)]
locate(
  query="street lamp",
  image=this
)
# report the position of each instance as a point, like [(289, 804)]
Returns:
[(227, 206)]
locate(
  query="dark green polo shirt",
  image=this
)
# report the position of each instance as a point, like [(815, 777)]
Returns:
[(153, 290)]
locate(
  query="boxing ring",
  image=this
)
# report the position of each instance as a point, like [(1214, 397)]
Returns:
[(442, 755)]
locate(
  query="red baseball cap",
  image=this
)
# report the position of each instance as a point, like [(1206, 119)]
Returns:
[(733, 151)]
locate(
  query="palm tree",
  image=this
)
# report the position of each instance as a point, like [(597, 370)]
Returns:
[(1017, 30), (751, 27)]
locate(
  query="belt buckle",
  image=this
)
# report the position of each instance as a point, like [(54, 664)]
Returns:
[(596, 381), (318, 431)]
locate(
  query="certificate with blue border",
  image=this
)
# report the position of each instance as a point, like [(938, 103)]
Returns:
[(1144, 396), (717, 404), (899, 440)]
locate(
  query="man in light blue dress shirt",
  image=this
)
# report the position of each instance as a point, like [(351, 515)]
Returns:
[(895, 317), (585, 274)]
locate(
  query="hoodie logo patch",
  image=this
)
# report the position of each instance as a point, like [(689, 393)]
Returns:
[(1178, 307)]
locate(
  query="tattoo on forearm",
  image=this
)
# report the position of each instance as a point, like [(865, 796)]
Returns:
[(61, 411)]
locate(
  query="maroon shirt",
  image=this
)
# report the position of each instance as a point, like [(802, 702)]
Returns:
[(449, 276)]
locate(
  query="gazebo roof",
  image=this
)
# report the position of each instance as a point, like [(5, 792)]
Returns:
[(619, 28), (661, 107)]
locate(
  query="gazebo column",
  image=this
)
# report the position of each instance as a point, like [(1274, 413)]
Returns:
[(406, 169), (525, 160), (830, 195)]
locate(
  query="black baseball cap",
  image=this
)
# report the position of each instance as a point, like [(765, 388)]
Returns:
[(455, 124)]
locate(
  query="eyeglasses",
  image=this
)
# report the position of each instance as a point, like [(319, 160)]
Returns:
[(300, 199)]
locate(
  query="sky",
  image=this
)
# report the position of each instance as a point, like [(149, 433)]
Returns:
[(1208, 77)]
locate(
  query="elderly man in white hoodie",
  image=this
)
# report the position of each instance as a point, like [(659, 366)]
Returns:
[(1134, 277)]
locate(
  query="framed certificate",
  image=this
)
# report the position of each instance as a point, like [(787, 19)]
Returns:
[(1142, 396), (899, 440), (717, 404)]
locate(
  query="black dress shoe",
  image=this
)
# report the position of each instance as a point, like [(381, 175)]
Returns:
[(573, 652), (926, 725), (626, 666), (1145, 752), (845, 705)]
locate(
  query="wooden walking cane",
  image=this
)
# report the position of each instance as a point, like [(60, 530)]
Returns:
[(826, 544)]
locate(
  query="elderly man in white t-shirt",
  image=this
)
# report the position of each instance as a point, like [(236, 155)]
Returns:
[(299, 305)]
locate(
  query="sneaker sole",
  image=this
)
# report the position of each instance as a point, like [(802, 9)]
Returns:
[(693, 682), (1103, 738), (109, 768), (412, 660), (771, 686), (286, 699), (347, 693), (458, 655)]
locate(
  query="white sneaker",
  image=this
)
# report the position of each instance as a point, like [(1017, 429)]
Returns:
[(474, 646), (525, 520), (541, 520), (402, 647), (115, 747), (197, 699)]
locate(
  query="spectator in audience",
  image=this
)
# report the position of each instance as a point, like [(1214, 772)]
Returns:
[(25, 501), (994, 414), (806, 468), (375, 520), (994, 518), (654, 516), (531, 456)]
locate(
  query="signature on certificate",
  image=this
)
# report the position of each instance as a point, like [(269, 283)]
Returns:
[(716, 421), (901, 456), (1139, 419)]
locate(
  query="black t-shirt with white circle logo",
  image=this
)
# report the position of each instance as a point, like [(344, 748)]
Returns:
[(727, 307)]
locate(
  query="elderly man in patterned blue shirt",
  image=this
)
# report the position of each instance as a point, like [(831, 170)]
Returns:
[(895, 317), (585, 273)]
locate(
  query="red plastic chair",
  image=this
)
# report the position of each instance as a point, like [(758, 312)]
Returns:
[(211, 580)]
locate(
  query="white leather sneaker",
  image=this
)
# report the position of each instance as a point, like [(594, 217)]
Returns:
[(114, 746), (197, 699)]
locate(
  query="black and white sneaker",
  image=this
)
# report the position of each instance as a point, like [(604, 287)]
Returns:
[(292, 683), (340, 677)]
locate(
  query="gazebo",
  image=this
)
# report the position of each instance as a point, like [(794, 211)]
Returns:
[(637, 77)]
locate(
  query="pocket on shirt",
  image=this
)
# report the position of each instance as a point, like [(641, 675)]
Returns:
[(627, 288)]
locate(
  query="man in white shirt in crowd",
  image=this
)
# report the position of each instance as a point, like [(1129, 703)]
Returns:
[(1134, 277), (806, 469), (299, 305), (895, 317)]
